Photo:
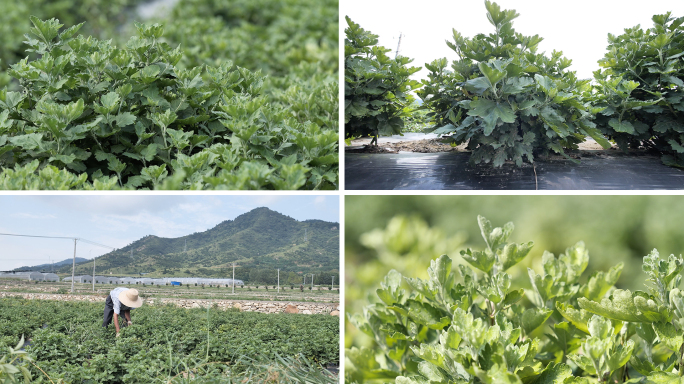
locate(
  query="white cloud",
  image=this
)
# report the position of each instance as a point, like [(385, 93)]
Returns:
[(114, 204), (319, 200), (262, 200), (145, 222)]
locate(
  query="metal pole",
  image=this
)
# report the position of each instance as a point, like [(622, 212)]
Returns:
[(73, 267), (396, 54), (333, 282), (233, 277), (93, 273), (312, 281), (278, 280)]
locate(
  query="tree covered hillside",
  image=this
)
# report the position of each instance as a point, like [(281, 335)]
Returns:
[(261, 238)]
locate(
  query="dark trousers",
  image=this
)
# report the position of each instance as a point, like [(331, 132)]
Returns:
[(109, 312)]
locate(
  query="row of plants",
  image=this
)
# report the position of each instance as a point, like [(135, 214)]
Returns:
[(68, 342), (14, 366), (94, 116), (475, 327), (511, 103)]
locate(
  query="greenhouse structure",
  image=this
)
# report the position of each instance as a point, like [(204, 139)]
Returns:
[(30, 276), (39, 276), (80, 279)]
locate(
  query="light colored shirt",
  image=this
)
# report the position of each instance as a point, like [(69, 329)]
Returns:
[(118, 306)]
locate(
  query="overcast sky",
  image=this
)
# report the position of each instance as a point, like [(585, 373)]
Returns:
[(117, 221), (578, 28)]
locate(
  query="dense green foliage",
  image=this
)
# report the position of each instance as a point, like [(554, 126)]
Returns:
[(69, 343), (376, 88), (473, 327), (293, 42), (260, 239), (642, 88), (504, 99), (129, 118), (406, 232), (103, 18)]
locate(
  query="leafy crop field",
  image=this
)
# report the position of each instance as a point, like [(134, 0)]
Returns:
[(224, 95), (466, 323), (167, 344), (510, 103)]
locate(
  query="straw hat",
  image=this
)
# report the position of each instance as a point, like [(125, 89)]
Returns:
[(130, 298)]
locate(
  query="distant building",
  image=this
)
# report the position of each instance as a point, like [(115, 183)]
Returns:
[(80, 279)]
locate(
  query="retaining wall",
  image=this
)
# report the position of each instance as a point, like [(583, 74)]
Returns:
[(242, 305)]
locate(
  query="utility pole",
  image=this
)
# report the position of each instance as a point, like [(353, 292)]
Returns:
[(278, 280), (91, 253), (312, 275), (233, 277), (333, 282), (73, 267), (396, 54)]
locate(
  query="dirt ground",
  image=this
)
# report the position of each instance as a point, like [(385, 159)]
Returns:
[(433, 146)]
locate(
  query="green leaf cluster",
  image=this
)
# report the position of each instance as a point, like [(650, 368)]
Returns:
[(104, 117), (377, 88), (475, 327), (103, 20), (506, 100), (641, 88), (14, 365)]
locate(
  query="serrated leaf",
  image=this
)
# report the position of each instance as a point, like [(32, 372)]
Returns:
[(513, 297), (490, 112), (621, 306), (668, 335), (109, 101), (554, 373), (578, 318), (513, 253), (426, 314), (620, 355), (600, 282), (482, 260), (621, 126), (450, 339), (125, 118), (533, 318)]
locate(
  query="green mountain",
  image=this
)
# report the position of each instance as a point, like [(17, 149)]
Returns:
[(259, 239), (51, 267)]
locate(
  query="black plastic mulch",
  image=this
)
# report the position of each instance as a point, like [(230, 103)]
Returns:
[(598, 170)]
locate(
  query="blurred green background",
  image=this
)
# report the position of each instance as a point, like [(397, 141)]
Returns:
[(406, 232)]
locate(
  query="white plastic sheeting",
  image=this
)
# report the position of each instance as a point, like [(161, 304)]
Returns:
[(38, 276)]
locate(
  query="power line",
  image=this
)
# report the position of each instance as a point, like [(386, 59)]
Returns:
[(75, 239), (45, 237), (59, 237)]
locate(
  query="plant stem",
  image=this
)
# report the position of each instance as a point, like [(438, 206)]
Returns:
[(681, 361)]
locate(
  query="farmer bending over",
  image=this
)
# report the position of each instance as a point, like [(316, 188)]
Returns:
[(120, 300)]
